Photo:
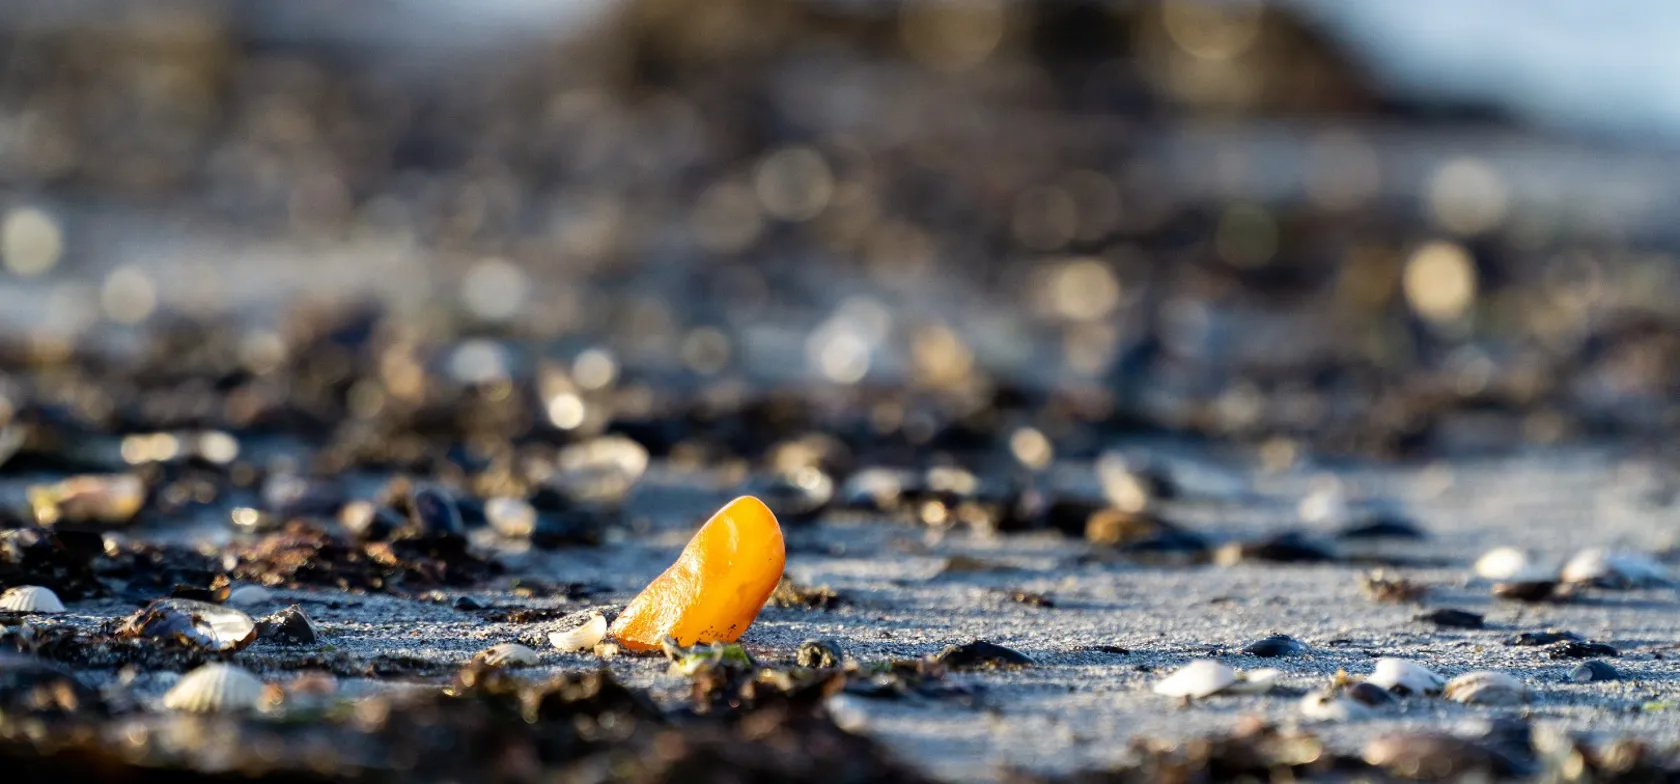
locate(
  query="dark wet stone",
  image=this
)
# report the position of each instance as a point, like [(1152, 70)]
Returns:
[(1580, 649), (818, 653), (468, 603), (1274, 646), (434, 516), (1546, 637), (981, 654), (1451, 619), (1527, 591), (1370, 694), (1594, 670), (1286, 547), (1382, 527), (1436, 756), (289, 626)]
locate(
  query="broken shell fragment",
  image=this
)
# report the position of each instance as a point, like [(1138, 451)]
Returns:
[(210, 627), (717, 586), (1486, 687), (1198, 679), (582, 638), (215, 688), (1614, 570), (507, 654), (30, 599), (92, 498), (1508, 564), (1274, 646), (1405, 677)]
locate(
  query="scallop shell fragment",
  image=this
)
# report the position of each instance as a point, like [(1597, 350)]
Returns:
[(215, 688), (1486, 687), (507, 654), (1205, 678), (582, 638), (30, 599), (1405, 677)]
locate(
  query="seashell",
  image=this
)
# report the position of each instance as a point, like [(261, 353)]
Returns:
[(1200, 678), (290, 626), (1255, 681), (1594, 671), (249, 595), (1325, 706), (1405, 677), (1486, 687), (818, 653), (507, 654), (1274, 646), (601, 470), (210, 627), (1510, 565), (513, 518), (1615, 570), (30, 599), (582, 638), (92, 498), (215, 688)]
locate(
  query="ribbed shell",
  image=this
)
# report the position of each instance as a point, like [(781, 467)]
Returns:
[(215, 688), (31, 598)]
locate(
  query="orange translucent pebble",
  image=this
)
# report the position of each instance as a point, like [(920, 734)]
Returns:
[(717, 586)]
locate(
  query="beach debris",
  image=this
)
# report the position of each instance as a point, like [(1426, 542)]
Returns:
[(1274, 646), (582, 637), (513, 518), (1508, 564), (689, 660), (1032, 599), (110, 499), (218, 687), (248, 596), (1206, 677), (981, 654), (30, 599), (1285, 547), (818, 653), (1601, 568), (1486, 687), (1594, 670), (1449, 618), (1369, 694), (1132, 485), (1329, 706), (1405, 677), (205, 626), (1381, 525), (717, 586), (1580, 649), (289, 626), (1383, 586), (789, 593), (1530, 590), (1435, 756), (1546, 637), (507, 654)]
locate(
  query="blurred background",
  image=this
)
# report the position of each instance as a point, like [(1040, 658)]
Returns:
[(1442, 226)]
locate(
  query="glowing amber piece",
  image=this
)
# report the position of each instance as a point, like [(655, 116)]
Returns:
[(717, 586)]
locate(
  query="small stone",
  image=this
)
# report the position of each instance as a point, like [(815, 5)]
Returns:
[(468, 603), (507, 654), (1274, 646), (1382, 526), (1287, 547), (1594, 670), (1451, 619), (289, 626), (1580, 649), (1546, 637), (1527, 590), (981, 654), (818, 653), (1384, 587), (1368, 693)]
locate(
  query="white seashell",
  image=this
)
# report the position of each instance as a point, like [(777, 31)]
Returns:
[(511, 517), (1405, 677), (584, 637), (1255, 681), (1508, 564), (1486, 687), (507, 654), (1597, 566), (1327, 503), (1323, 706), (1200, 678), (215, 688), (31, 599), (247, 595)]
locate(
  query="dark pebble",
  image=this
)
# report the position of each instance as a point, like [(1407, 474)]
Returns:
[(289, 626), (1451, 619), (468, 603), (1274, 646), (1370, 694), (981, 655), (1527, 591), (1577, 649), (1384, 527), (1594, 670), (1287, 547), (1546, 637)]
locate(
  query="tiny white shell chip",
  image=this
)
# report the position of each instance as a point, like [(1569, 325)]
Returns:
[(1321, 706), (215, 688), (1508, 564), (1200, 678), (1598, 566), (247, 595), (1403, 676), (1486, 687), (507, 654), (31, 598), (582, 638)]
